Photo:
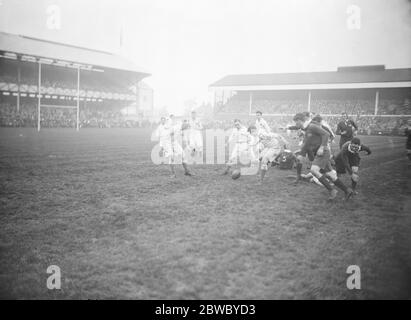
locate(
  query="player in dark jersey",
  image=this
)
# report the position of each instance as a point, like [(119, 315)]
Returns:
[(316, 119), (346, 128), (316, 146), (286, 160), (348, 160)]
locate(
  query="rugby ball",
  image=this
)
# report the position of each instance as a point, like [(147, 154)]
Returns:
[(236, 174)]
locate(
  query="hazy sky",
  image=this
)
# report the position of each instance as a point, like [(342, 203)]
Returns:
[(188, 44)]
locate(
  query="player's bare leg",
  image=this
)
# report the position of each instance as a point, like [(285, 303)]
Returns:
[(263, 170), (315, 170), (354, 179), (334, 178), (186, 170), (173, 172), (299, 168)]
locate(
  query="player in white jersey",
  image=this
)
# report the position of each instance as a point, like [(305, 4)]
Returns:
[(272, 145), (189, 152), (171, 149), (261, 124), (240, 138), (196, 138), (170, 121)]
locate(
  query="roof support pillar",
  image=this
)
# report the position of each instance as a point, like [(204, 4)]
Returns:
[(78, 99), (251, 101), (309, 101), (18, 87), (39, 99), (377, 99)]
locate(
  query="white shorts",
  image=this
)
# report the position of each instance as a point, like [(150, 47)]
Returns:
[(171, 149), (244, 152), (196, 140)]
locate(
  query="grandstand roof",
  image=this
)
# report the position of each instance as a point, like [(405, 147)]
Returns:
[(23, 45), (345, 77)]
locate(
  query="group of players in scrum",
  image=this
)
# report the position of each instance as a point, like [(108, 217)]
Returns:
[(263, 147)]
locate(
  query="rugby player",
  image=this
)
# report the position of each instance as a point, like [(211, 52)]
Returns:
[(317, 119), (261, 124), (346, 128), (240, 138), (348, 160), (195, 136), (171, 150), (273, 144), (316, 147)]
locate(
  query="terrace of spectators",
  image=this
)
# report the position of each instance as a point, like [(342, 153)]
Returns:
[(49, 74)]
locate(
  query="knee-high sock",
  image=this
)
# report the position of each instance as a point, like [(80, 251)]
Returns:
[(299, 170), (262, 174), (340, 185), (353, 184), (185, 167), (325, 182)]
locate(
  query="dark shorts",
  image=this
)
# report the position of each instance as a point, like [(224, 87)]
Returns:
[(309, 153), (324, 161), (353, 160)]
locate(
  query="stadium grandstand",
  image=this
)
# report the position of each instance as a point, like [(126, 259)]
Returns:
[(50, 84), (376, 97)]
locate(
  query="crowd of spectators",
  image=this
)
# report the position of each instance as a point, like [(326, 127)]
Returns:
[(92, 83), (106, 116), (66, 117), (336, 106), (394, 102), (367, 125)]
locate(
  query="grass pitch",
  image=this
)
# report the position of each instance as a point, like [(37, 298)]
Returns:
[(118, 226)]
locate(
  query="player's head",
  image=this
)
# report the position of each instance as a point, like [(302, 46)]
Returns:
[(252, 129), (259, 114), (163, 120), (237, 123), (317, 118), (185, 125), (300, 118), (344, 115), (355, 145)]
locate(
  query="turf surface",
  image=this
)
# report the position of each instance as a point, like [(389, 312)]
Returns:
[(118, 226)]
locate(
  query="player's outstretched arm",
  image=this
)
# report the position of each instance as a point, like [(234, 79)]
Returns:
[(366, 149)]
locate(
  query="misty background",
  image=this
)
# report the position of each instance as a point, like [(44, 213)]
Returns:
[(186, 45)]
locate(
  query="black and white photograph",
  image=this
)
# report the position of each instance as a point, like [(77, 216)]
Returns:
[(205, 150)]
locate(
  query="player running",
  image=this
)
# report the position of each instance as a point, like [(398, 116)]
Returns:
[(346, 128), (195, 136), (261, 124), (348, 160), (171, 150), (316, 119), (272, 145), (240, 137), (316, 147)]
